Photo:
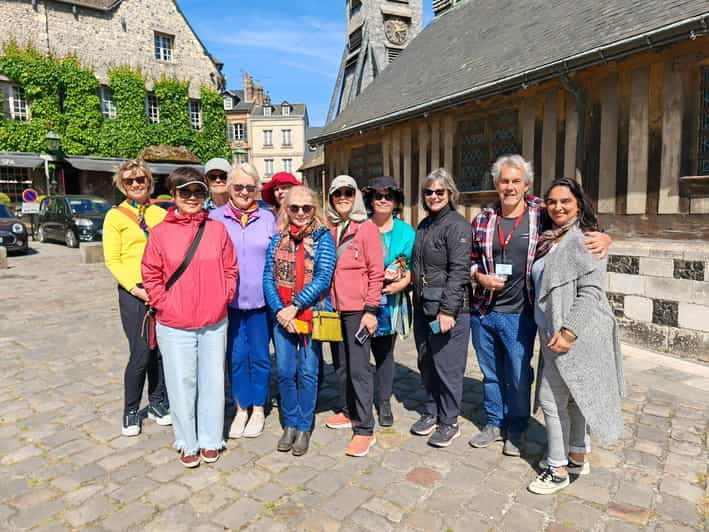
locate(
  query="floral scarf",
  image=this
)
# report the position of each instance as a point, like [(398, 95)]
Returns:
[(550, 236), (141, 207), (245, 217), (294, 263)]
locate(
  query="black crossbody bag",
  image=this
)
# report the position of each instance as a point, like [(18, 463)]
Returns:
[(148, 327)]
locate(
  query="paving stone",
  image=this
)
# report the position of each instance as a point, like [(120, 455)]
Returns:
[(423, 521), (657, 410), (327, 482), (33, 498), (200, 477), (266, 525), (404, 495), (90, 510), (384, 508), (634, 494), (423, 476), (370, 521), (676, 508), (270, 492), (128, 517), (134, 489), (628, 512), (233, 459), (519, 518), (36, 515), (239, 513), (683, 490), (178, 518), (345, 501), (575, 514), (615, 525)]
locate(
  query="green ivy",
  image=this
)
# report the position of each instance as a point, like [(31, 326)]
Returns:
[(77, 118)]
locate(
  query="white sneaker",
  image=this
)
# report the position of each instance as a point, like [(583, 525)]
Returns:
[(572, 467), (254, 427), (548, 482), (237, 426)]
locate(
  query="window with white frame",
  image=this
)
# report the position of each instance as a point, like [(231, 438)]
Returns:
[(267, 111), (108, 104), (152, 109), (287, 165), (164, 45), (239, 131), (268, 163), (285, 110), (268, 137), (241, 158), (230, 132), (19, 110), (285, 137), (228, 103), (195, 107)]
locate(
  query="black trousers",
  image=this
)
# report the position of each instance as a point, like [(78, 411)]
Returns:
[(359, 389), (383, 351), (229, 403), (142, 362), (441, 362)]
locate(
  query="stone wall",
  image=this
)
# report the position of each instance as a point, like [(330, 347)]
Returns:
[(659, 291), (102, 40)]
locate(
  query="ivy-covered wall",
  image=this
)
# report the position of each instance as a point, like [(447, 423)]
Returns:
[(76, 115)]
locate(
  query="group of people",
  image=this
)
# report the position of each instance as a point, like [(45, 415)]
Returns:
[(206, 287)]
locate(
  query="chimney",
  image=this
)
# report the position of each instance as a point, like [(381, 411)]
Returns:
[(248, 88), (266, 99), (258, 94)]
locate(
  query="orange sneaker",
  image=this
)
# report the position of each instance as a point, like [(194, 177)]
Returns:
[(360, 445), (338, 421)]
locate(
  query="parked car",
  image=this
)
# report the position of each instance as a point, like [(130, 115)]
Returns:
[(13, 233), (72, 219)]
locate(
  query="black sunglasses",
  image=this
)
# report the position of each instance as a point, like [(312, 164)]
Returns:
[(440, 192), (217, 177), (383, 196), (249, 188), (294, 209), (128, 181), (187, 193), (346, 192)]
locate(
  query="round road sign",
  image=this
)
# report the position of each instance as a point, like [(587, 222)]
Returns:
[(29, 195)]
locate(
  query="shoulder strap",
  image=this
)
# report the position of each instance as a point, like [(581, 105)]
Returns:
[(130, 214), (188, 257)]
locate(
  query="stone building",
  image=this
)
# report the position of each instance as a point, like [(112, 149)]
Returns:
[(150, 35), (377, 32), (610, 91)]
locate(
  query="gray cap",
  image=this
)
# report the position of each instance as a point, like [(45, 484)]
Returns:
[(217, 164)]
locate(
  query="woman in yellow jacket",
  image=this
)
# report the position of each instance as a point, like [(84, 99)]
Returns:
[(125, 233)]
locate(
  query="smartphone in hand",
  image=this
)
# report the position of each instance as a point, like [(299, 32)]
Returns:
[(362, 335), (435, 326)]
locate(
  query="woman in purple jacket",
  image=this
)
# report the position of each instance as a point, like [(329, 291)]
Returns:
[(250, 229)]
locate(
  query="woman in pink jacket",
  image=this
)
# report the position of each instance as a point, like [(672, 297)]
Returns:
[(356, 292), (192, 315)]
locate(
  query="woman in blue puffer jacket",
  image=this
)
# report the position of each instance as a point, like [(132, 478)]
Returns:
[(299, 265)]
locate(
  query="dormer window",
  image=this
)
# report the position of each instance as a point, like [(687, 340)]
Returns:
[(228, 103), (285, 110), (267, 111)]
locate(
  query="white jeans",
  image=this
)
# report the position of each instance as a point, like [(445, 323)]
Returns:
[(565, 424), (194, 376)]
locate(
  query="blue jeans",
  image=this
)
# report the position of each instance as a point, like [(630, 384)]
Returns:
[(504, 344), (247, 345), (297, 377), (194, 375)]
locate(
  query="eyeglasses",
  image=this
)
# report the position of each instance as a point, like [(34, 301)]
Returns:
[(440, 192), (346, 192), (249, 188), (187, 193), (217, 177), (139, 179), (379, 196), (295, 209)]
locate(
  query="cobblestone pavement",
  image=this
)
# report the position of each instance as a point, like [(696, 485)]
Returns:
[(64, 465)]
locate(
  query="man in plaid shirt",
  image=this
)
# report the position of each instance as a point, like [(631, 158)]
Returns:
[(502, 320)]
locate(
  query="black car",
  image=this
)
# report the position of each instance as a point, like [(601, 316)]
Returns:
[(71, 219), (13, 233)]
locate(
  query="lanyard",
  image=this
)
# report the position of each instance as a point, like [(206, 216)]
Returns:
[(505, 241)]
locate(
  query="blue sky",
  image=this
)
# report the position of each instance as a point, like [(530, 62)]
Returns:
[(293, 47)]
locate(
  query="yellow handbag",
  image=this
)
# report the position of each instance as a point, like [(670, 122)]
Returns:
[(326, 326)]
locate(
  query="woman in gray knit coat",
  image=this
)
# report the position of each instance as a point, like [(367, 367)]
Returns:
[(581, 372)]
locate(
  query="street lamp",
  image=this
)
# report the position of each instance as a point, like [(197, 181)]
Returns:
[(53, 145)]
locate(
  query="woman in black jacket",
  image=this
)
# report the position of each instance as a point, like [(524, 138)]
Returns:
[(441, 277)]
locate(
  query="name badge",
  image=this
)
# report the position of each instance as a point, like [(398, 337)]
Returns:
[(503, 269)]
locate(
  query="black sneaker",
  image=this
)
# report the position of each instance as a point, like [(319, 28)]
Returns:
[(386, 418), (444, 435), (424, 426), (131, 423), (513, 444), (160, 413), (488, 435), (548, 482)]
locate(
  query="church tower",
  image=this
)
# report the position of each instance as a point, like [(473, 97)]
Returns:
[(377, 32)]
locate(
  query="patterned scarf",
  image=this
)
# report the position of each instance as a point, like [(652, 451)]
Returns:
[(245, 217), (550, 236), (142, 207), (294, 265)]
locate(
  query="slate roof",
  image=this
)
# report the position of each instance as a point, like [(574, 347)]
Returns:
[(483, 47), (101, 5), (297, 109)]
